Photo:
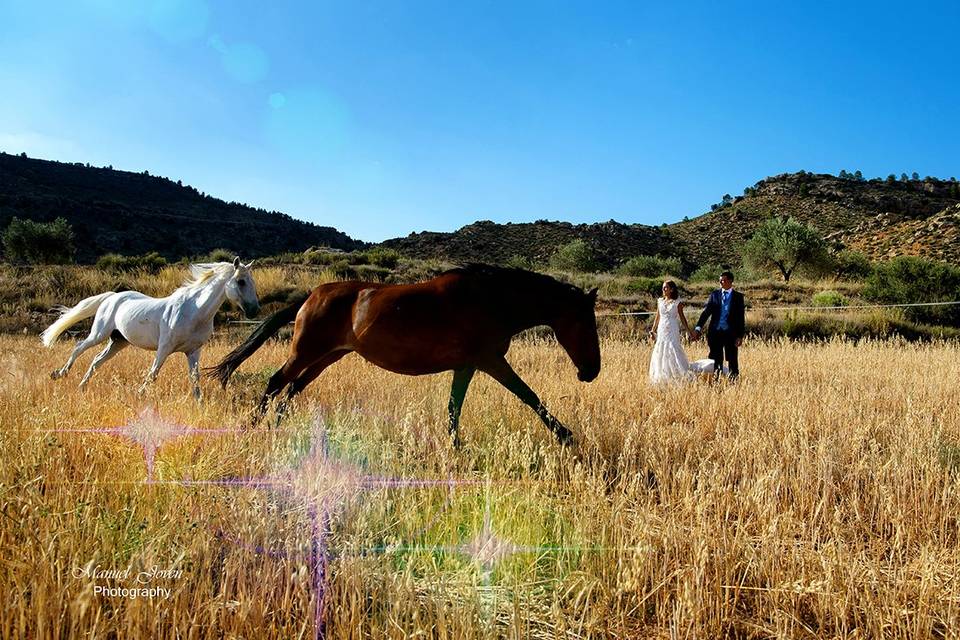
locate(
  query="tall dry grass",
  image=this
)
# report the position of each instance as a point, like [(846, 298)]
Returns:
[(820, 497)]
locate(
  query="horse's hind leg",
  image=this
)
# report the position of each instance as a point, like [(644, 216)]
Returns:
[(458, 391), (309, 375), (502, 372), (193, 372), (292, 368), (115, 346), (98, 333)]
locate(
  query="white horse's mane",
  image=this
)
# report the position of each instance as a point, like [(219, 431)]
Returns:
[(202, 272)]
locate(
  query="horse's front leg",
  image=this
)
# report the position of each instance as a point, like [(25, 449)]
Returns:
[(193, 371), (501, 371), (163, 352)]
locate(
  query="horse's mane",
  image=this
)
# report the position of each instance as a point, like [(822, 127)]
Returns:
[(202, 272), (513, 277)]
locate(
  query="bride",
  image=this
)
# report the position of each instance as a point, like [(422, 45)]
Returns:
[(669, 363)]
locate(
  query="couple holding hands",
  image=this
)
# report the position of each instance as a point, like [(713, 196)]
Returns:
[(725, 309)]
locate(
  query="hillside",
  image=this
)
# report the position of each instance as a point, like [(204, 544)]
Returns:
[(133, 213), (534, 241), (881, 218)]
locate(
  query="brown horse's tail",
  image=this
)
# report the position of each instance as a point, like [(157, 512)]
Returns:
[(264, 331)]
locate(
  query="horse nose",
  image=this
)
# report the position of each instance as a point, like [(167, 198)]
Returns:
[(251, 311), (588, 376)]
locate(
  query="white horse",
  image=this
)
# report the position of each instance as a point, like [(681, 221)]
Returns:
[(181, 322)]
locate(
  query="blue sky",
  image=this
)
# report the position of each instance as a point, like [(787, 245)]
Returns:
[(383, 118)]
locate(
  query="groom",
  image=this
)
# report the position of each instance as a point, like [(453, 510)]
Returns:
[(725, 308)]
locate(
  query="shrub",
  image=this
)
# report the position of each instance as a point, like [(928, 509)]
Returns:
[(574, 256), (151, 262), (908, 279), (649, 286), (38, 242), (707, 273), (383, 257), (371, 273), (319, 257), (851, 265), (519, 262), (650, 266), (829, 299), (220, 255)]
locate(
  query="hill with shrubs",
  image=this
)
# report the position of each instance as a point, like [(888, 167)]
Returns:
[(122, 212), (880, 218)]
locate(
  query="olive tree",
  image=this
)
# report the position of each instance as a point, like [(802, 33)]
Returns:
[(783, 245)]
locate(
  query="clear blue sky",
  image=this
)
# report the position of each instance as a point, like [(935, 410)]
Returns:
[(383, 118)]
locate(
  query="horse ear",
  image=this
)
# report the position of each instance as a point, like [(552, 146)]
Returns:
[(592, 294), (249, 264), (236, 262)]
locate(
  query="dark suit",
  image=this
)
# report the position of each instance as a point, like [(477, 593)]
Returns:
[(724, 341)]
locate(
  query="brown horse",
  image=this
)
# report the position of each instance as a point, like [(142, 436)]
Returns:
[(462, 320)]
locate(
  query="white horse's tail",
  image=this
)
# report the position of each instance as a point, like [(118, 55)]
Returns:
[(84, 309)]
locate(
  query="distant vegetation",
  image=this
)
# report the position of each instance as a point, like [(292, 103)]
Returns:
[(129, 213), (30, 242)]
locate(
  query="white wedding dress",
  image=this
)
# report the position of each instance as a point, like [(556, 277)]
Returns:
[(669, 362)]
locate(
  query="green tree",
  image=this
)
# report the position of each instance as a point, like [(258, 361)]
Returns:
[(38, 242), (574, 256), (783, 244)]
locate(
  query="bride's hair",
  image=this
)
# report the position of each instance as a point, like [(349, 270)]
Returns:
[(672, 291)]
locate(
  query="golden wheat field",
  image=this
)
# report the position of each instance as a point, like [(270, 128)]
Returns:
[(819, 497)]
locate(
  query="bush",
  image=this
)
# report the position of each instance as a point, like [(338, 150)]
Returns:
[(707, 273), (151, 262), (38, 242), (385, 258), (851, 265), (908, 279), (519, 262), (650, 266), (649, 286), (575, 256), (829, 299), (319, 257), (371, 273), (220, 255)]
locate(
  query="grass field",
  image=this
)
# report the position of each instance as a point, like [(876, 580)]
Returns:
[(820, 497)]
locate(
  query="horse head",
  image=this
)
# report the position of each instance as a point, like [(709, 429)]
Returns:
[(576, 330), (241, 289)]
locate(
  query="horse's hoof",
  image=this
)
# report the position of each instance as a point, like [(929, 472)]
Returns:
[(56, 374), (565, 437)]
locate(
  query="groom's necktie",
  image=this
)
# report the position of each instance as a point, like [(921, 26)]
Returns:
[(724, 310)]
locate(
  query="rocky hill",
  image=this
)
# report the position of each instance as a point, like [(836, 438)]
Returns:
[(133, 213), (487, 241), (881, 218)]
